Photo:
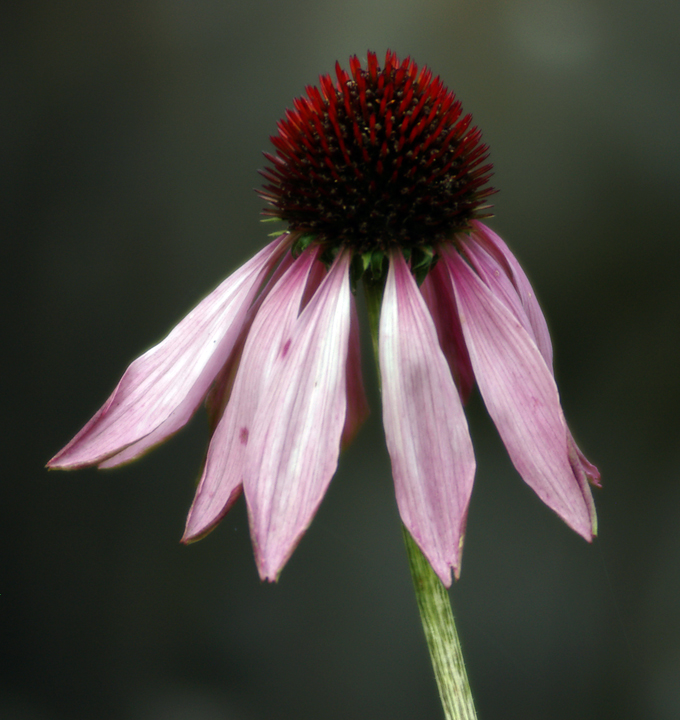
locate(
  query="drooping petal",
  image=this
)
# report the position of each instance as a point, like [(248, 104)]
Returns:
[(494, 273), (218, 395), (161, 390), (295, 440), (438, 294), (494, 243), (223, 472), (427, 434), (219, 392), (499, 269), (316, 276), (357, 404), (520, 395)]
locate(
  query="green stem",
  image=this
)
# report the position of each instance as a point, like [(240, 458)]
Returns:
[(433, 600), (440, 632), (373, 292)]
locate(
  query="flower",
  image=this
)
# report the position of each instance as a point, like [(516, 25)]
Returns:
[(379, 179)]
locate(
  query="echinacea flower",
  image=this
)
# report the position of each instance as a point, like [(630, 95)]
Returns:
[(379, 178)]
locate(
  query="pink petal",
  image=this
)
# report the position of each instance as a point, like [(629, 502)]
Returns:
[(218, 395), (589, 470), (161, 390), (495, 244), (499, 269), (357, 404), (494, 273), (438, 294), (582, 477), (521, 397), (427, 435), (223, 472), (294, 442), (316, 277)]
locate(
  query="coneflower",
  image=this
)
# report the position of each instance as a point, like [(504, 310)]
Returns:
[(381, 180)]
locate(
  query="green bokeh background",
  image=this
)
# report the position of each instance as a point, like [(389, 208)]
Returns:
[(130, 136)]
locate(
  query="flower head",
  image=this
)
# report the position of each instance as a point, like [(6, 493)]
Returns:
[(379, 178)]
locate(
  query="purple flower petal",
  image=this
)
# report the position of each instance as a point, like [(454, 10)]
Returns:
[(589, 470), (495, 274), (220, 392), (495, 245), (581, 473), (521, 396), (499, 269), (438, 294), (161, 390), (427, 435), (222, 475), (294, 443)]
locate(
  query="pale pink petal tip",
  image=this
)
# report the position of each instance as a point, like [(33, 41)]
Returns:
[(426, 431), (585, 474), (589, 470), (162, 389)]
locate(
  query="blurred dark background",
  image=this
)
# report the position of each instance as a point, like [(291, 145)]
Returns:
[(130, 136)]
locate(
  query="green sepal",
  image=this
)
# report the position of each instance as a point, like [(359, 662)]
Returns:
[(356, 271), (422, 261), (373, 263), (328, 255), (378, 264), (272, 219), (301, 244)]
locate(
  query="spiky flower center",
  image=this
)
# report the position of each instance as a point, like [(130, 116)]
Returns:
[(379, 158)]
